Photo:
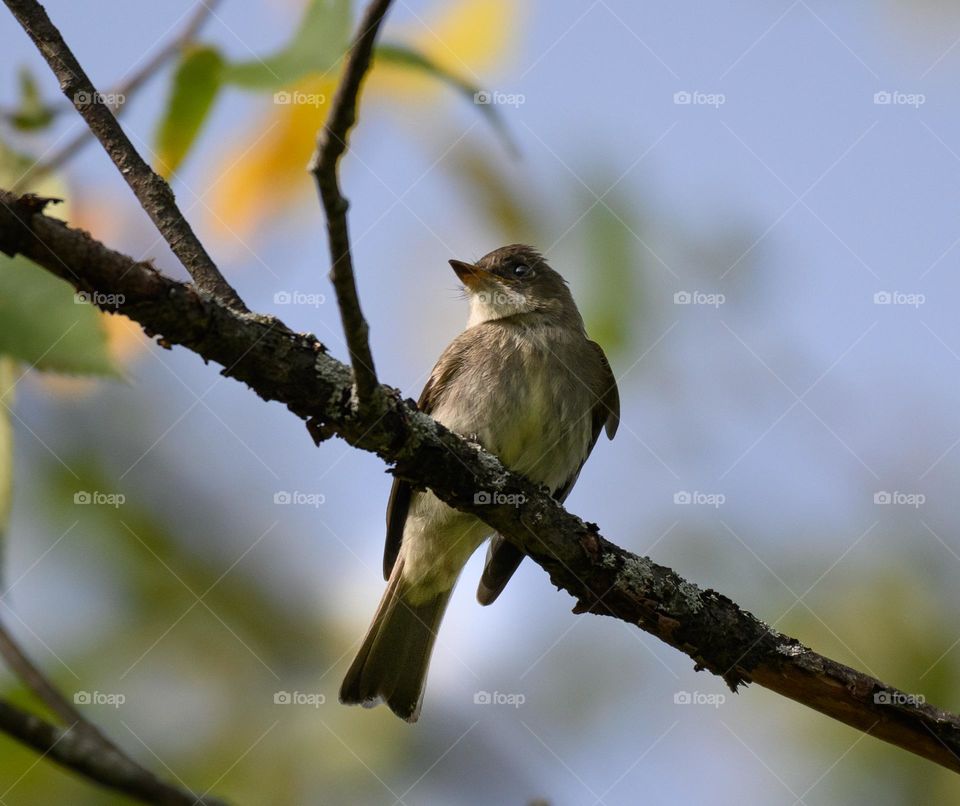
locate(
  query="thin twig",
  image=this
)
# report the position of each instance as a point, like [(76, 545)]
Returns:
[(77, 750), (99, 758), (35, 680), (153, 193), (295, 370), (331, 145), (123, 90)]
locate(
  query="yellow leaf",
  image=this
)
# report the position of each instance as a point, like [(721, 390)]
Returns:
[(467, 39), (470, 36), (266, 172), (257, 178)]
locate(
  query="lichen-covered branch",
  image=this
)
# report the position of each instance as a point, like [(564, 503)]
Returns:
[(295, 369), (331, 145)]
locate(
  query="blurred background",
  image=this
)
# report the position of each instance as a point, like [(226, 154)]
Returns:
[(756, 205)]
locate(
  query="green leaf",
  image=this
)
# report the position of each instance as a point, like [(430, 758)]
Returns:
[(405, 56), (8, 377), (193, 89), (44, 324), (320, 40), (615, 290), (31, 113), (41, 321)]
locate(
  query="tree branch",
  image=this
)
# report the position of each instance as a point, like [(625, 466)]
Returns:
[(296, 370), (35, 680), (153, 193), (87, 750), (124, 89), (77, 750), (331, 145)]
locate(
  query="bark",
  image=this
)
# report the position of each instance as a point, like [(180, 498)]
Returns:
[(296, 370)]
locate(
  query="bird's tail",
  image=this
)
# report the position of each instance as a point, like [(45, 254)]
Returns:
[(392, 662)]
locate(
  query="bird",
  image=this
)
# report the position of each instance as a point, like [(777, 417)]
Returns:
[(524, 381)]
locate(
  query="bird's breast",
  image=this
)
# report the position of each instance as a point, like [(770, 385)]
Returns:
[(525, 404)]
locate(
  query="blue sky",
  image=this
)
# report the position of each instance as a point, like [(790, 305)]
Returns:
[(797, 194)]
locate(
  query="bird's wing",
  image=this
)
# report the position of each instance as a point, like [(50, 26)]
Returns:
[(398, 504), (503, 558)]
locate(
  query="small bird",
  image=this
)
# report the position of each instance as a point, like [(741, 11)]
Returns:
[(525, 382)]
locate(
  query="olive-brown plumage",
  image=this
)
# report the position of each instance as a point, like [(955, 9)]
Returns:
[(525, 382)]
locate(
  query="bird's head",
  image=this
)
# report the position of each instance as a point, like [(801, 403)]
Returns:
[(515, 280)]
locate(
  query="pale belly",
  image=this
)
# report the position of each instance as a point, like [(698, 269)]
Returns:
[(545, 438)]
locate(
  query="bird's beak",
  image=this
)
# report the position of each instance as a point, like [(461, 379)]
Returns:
[(470, 275)]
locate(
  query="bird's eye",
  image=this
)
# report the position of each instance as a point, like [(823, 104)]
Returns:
[(522, 270)]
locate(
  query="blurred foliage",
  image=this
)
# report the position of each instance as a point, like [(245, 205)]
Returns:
[(193, 89), (8, 379), (68, 336), (272, 157), (495, 196), (199, 643), (31, 112), (609, 248), (43, 324), (200, 676), (315, 47), (408, 57), (890, 620)]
